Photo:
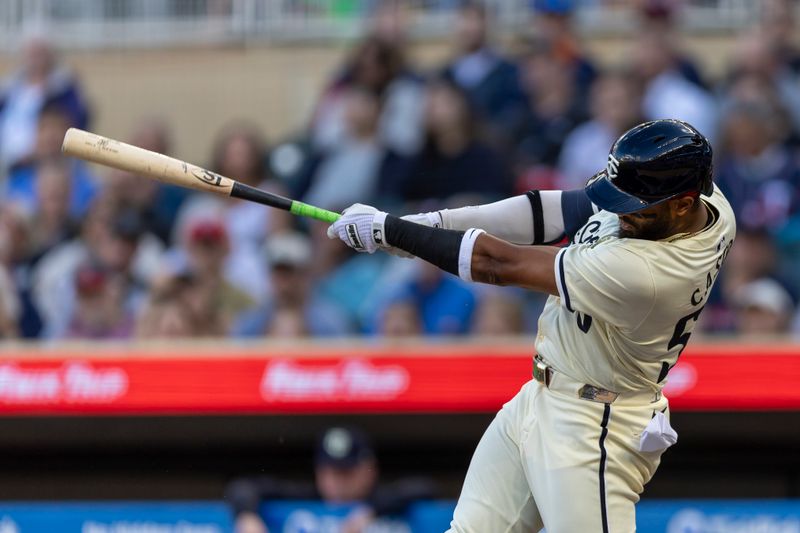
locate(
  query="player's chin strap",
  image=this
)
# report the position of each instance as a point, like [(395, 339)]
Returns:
[(447, 249)]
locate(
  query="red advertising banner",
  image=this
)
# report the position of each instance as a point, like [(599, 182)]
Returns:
[(438, 379)]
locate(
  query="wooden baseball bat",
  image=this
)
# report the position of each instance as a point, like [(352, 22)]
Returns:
[(116, 154)]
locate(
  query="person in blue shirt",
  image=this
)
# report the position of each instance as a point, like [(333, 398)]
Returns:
[(40, 81), (20, 187)]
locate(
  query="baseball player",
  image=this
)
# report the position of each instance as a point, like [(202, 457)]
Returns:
[(572, 451)]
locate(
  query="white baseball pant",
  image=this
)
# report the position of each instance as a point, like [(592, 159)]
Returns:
[(551, 459)]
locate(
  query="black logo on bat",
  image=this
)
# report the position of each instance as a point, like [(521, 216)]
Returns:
[(206, 176), (104, 144)]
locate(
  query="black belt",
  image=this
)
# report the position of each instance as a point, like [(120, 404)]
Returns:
[(543, 373)]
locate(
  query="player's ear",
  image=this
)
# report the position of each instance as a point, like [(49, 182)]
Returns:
[(683, 205)]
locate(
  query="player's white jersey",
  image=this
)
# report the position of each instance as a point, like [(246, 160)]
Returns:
[(626, 307)]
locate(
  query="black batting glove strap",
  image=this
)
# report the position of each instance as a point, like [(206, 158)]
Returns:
[(437, 246)]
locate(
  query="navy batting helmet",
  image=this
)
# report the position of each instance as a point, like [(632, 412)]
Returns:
[(650, 164)]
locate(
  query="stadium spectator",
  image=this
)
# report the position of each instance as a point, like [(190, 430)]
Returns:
[(110, 238), (778, 24), (20, 315), (53, 122), (113, 255), (239, 153), (352, 170), (400, 318), (389, 22), (41, 79), (553, 23), (294, 307), (759, 175), (100, 310), (211, 294), (288, 323), (490, 81), (660, 17), (52, 222), (445, 304), (667, 93), (554, 109), (757, 54), (755, 256), (158, 203), (749, 88), (762, 308), (168, 315), (498, 313), (9, 304), (345, 472), (453, 160), (378, 66), (614, 109), (355, 283)]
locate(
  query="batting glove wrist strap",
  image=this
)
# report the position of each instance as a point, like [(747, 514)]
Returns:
[(378, 229), (465, 253)]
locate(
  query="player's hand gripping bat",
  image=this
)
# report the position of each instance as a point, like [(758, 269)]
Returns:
[(108, 152)]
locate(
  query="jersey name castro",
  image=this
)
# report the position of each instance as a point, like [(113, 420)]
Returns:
[(626, 307)]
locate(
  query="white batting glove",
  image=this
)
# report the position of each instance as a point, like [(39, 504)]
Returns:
[(361, 228)]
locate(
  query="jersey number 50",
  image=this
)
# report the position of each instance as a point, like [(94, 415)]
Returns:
[(680, 337)]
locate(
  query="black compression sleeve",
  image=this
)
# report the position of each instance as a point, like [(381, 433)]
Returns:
[(437, 246), (576, 208)]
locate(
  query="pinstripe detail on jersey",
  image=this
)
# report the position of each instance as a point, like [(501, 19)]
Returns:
[(561, 282), (603, 434)]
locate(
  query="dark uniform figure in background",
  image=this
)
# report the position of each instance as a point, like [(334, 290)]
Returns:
[(346, 472)]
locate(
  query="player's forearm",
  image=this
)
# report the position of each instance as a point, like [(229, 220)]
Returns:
[(498, 262), (537, 217), (476, 256), (437, 246)]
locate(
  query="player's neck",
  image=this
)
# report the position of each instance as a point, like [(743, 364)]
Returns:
[(696, 221)]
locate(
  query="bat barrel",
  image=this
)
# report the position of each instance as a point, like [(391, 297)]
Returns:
[(122, 156), (115, 154), (104, 151)]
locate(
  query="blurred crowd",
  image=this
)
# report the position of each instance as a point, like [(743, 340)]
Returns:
[(89, 253)]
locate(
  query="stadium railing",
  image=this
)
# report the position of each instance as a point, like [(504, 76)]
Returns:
[(99, 24)]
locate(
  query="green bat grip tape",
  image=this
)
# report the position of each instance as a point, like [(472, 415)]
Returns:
[(305, 210)]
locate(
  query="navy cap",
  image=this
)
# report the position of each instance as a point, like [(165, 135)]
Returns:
[(343, 448)]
